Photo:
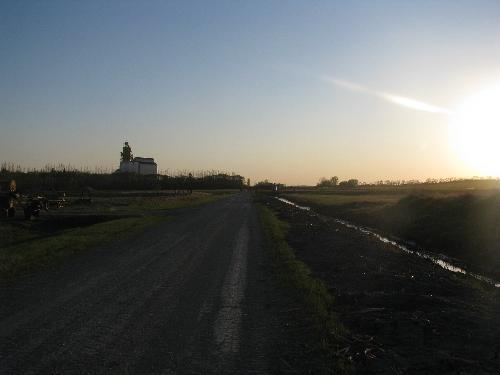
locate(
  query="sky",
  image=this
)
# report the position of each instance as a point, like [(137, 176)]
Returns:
[(289, 91)]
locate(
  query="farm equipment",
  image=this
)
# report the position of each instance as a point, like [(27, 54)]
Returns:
[(9, 198), (35, 203), (33, 206), (55, 199)]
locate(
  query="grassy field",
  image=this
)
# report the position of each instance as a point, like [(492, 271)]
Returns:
[(131, 203), (325, 332), (39, 252), (26, 245), (376, 196), (334, 199), (168, 203), (464, 224)]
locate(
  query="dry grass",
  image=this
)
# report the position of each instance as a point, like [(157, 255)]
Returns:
[(325, 330), (28, 245), (334, 199), (39, 252)]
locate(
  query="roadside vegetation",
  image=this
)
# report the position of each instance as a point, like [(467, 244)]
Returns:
[(459, 223), (321, 329), (68, 178), (27, 245), (39, 252)]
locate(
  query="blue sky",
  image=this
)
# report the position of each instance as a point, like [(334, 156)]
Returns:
[(237, 85)]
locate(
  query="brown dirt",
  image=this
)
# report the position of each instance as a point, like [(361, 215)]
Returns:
[(406, 315)]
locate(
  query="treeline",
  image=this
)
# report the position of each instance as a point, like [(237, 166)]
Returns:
[(430, 181), (64, 178), (268, 185), (334, 182)]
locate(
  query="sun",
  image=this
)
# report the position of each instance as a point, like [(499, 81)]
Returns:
[(475, 131)]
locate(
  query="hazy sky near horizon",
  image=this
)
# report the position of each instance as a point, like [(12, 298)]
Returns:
[(285, 90)]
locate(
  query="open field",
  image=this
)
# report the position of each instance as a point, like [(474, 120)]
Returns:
[(333, 198), (38, 252), (26, 245), (381, 194)]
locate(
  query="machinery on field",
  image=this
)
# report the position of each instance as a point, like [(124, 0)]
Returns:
[(55, 199), (9, 197), (33, 205)]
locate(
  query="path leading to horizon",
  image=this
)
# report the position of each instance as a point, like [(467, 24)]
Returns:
[(181, 297)]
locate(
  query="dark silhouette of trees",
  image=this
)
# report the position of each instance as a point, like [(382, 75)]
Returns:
[(66, 178), (323, 182), (268, 185), (349, 183)]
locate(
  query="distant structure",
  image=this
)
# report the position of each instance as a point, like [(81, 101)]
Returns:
[(129, 164)]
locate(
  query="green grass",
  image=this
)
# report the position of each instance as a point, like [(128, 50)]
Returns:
[(311, 293), (28, 245), (11, 233), (40, 252)]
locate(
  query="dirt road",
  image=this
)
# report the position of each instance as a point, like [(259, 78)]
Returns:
[(178, 298)]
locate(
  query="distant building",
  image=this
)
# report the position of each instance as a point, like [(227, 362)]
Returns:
[(129, 164)]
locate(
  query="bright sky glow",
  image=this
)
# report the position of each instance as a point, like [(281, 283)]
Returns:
[(233, 86), (475, 131)]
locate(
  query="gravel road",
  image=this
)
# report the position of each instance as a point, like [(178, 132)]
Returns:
[(177, 298)]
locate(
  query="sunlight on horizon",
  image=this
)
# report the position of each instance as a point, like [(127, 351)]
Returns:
[(475, 131), (474, 126)]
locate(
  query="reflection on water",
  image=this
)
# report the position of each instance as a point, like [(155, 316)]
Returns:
[(293, 204), (420, 253)]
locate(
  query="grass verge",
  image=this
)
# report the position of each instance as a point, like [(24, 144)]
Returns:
[(36, 253), (324, 329)]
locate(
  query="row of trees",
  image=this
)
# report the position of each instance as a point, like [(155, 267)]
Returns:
[(66, 179), (334, 181), (432, 181), (268, 185)]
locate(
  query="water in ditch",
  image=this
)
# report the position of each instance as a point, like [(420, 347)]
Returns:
[(417, 252)]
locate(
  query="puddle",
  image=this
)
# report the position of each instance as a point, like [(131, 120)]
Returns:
[(293, 204), (417, 252)]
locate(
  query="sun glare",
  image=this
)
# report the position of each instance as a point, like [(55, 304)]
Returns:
[(475, 131)]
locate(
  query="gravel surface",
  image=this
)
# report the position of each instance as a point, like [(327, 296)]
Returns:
[(178, 298)]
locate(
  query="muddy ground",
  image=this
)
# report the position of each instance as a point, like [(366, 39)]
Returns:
[(406, 315)]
